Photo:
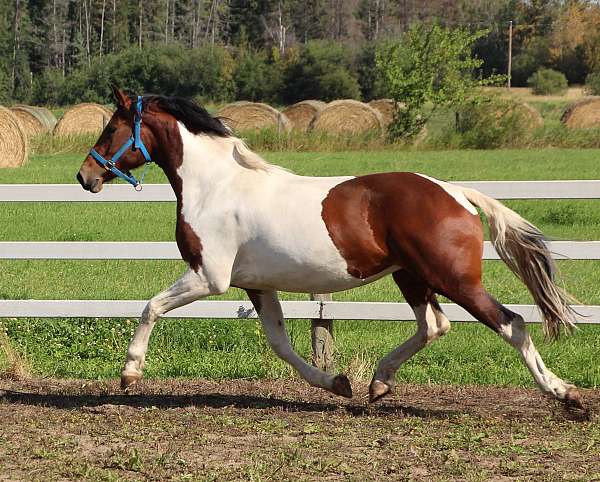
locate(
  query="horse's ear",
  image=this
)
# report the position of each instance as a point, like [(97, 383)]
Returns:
[(121, 98)]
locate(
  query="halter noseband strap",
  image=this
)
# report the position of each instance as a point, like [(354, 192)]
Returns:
[(135, 142)]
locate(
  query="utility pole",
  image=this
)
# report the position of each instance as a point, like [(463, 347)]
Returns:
[(16, 46), (140, 8), (167, 24), (510, 34), (102, 27)]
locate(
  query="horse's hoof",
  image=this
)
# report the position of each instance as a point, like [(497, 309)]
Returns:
[(573, 399), (129, 379), (341, 386), (378, 389)]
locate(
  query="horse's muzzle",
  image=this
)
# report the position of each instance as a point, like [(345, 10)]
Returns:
[(94, 186)]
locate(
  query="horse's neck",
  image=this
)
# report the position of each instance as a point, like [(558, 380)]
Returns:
[(205, 161)]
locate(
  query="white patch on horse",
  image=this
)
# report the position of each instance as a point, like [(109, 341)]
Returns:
[(516, 334), (261, 224), (454, 191)]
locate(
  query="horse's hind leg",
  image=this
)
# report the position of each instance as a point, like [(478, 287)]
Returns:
[(431, 324), (511, 327), (269, 310)]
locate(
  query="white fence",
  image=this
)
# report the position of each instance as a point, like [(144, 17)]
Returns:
[(326, 310), (163, 192), (168, 250), (243, 309)]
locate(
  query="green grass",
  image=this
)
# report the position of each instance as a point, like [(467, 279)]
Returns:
[(453, 165), (94, 348)]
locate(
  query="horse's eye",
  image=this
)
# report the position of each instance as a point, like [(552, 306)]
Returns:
[(110, 130)]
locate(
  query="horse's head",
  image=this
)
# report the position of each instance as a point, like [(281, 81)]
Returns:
[(117, 151)]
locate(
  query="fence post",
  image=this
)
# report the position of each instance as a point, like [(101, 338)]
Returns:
[(322, 338)]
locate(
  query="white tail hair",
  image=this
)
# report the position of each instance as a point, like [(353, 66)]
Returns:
[(524, 250)]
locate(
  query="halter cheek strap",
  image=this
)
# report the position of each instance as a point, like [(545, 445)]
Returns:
[(135, 142)]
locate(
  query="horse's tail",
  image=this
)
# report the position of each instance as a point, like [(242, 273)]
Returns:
[(523, 248)]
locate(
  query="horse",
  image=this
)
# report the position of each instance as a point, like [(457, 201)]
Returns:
[(244, 222)]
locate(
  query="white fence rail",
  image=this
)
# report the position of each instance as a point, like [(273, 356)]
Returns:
[(163, 192), (243, 309), (168, 250), (326, 310)]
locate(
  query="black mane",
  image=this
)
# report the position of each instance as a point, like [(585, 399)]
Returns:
[(195, 117)]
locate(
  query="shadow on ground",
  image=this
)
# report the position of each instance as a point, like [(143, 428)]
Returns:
[(441, 402)]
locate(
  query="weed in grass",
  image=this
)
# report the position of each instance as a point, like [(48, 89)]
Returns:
[(42, 453), (360, 368), (13, 365), (126, 460)]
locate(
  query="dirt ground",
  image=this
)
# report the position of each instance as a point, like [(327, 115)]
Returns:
[(285, 430)]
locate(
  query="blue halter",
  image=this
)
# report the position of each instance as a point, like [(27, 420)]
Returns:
[(135, 142)]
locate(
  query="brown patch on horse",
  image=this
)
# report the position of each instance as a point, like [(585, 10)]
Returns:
[(188, 242), (380, 220), (165, 127), (350, 215)]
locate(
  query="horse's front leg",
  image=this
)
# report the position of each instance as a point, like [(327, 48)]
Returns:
[(269, 310), (190, 287)]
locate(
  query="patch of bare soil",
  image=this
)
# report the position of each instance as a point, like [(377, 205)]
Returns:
[(286, 430)]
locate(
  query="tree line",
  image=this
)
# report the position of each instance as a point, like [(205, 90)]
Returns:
[(280, 51)]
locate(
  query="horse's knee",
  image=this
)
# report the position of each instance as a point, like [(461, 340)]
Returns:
[(152, 310), (219, 285)]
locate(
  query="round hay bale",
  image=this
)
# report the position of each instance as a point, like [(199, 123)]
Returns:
[(253, 115), (348, 117), (13, 140), (83, 119), (584, 114), (498, 123), (525, 117), (387, 108), (35, 120), (532, 118), (302, 113)]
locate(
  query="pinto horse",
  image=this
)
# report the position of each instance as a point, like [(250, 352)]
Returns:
[(246, 223)]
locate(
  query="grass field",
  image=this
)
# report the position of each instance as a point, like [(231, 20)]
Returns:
[(232, 349)]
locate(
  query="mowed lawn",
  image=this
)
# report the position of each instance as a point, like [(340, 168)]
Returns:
[(94, 348)]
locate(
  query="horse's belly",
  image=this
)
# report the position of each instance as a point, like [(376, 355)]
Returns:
[(295, 274)]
